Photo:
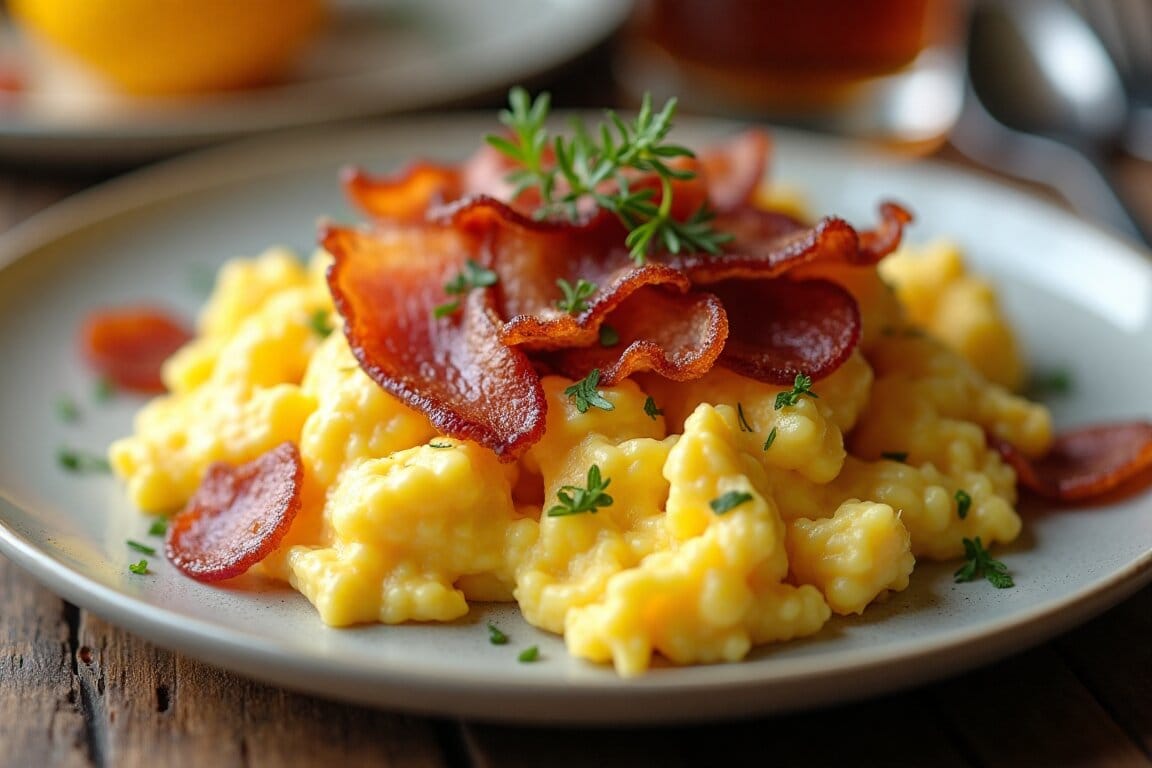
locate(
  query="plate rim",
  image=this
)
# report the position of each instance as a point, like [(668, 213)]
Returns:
[(578, 26), (221, 166)]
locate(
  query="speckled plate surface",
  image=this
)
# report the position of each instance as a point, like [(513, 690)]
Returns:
[(1082, 299)]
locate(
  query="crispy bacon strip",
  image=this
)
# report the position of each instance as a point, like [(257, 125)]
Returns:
[(734, 168), (128, 345), (780, 327), (679, 336), (237, 516), (1085, 463), (768, 244), (386, 285), (406, 196), (531, 257)]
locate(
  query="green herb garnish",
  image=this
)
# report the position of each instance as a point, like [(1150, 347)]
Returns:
[(67, 410), (900, 456), (103, 390), (495, 636), (575, 500), (651, 409), (531, 653), (143, 549), (1057, 381), (81, 462), (434, 444), (741, 420), (801, 387), (576, 296), (318, 322), (729, 501), (139, 568), (472, 275), (585, 394), (963, 503), (771, 439), (609, 336), (159, 527), (980, 563), (587, 159)]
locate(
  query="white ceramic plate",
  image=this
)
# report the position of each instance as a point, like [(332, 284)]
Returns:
[(376, 57), (1082, 299)]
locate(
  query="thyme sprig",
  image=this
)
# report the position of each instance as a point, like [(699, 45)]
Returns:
[(568, 171)]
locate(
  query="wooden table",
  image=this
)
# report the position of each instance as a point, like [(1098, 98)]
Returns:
[(77, 691)]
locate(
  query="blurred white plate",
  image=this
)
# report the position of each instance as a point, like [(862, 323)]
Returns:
[(1082, 299), (376, 57)]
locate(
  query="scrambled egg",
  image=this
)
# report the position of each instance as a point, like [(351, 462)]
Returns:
[(830, 502)]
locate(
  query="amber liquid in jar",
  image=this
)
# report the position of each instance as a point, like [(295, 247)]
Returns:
[(799, 60)]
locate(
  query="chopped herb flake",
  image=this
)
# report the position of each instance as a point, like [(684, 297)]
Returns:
[(139, 568), (963, 503), (531, 653), (159, 527), (609, 336), (576, 296), (67, 410), (434, 444), (81, 462), (742, 420), (575, 500), (318, 322), (104, 390), (445, 309), (900, 456), (980, 563), (495, 636), (473, 275), (143, 549), (651, 409), (801, 387), (771, 439), (1056, 382), (729, 501), (585, 394)]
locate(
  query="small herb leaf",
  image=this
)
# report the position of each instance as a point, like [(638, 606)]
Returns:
[(729, 501), (585, 394), (801, 387), (575, 500)]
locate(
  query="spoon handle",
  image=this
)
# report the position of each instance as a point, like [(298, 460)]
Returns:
[(1083, 181)]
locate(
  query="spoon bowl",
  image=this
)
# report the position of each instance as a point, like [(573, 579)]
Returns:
[(1044, 102)]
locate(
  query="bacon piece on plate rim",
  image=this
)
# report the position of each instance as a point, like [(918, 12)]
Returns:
[(237, 516)]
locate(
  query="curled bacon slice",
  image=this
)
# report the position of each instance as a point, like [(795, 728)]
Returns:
[(767, 244), (405, 196), (531, 257), (779, 328), (386, 285), (734, 168), (128, 345), (679, 336), (1085, 463), (237, 516)]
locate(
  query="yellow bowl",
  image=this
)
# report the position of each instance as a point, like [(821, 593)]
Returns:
[(169, 47)]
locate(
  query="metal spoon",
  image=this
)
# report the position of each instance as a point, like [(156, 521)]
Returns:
[(1044, 102)]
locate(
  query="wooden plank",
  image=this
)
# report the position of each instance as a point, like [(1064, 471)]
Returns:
[(893, 731), (151, 706), (1032, 710), (1113, 657), (41, 711)]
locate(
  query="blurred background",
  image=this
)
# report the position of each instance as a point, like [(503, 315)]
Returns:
[(1051, 92)]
